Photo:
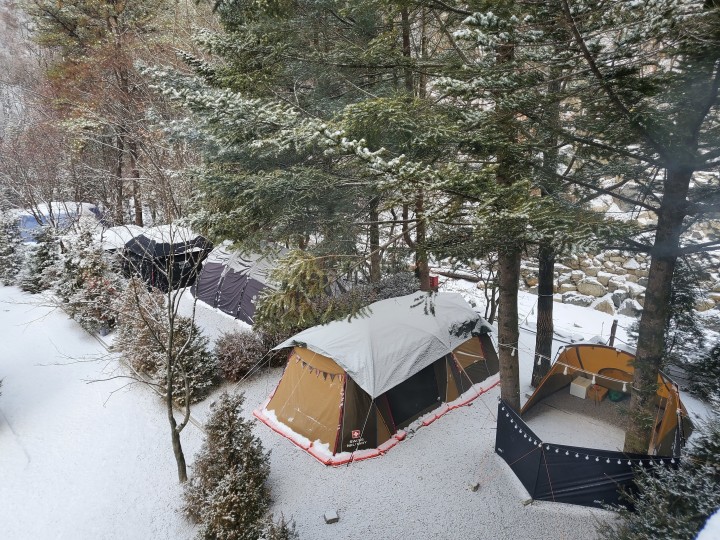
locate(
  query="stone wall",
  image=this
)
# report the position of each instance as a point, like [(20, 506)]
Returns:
[(612, 282)]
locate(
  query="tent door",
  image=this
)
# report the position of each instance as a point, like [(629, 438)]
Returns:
[(414, 397)]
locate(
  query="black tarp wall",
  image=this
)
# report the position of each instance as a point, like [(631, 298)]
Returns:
[(569, 474)]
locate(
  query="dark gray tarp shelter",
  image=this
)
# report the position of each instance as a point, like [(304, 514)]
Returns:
[(166, 257), (231, 281)]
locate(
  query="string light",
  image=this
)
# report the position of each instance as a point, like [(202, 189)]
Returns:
[(593, 379), (587, 457), (625, 387), (607, 460), (577, 456), (565, 371)]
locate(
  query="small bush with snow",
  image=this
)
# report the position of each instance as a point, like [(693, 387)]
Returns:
[(38, 272), (238, 352), (228, 493), (85, 281)]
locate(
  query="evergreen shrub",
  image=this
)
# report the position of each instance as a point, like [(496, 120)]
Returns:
[(11, 249), (40, 260), (674, 503), (705, 374), (228, 493)]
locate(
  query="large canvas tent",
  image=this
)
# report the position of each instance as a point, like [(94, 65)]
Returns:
[(166, 257), (350, 387), (231, 281), (556, 472)]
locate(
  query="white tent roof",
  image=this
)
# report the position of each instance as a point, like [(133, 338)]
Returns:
[(117, 237), (397, 338)]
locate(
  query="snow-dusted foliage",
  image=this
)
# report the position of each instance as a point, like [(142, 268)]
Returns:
[(675, 503), (143, 340), (705, 374), (85, 281), (238, 352), (227, 493), (11, 249), (38, 271)]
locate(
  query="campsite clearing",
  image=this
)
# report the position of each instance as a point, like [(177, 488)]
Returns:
[(101, 466)]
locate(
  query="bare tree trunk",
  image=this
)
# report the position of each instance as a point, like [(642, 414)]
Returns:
[(135, 174), (546, 252), (545, 330), (118, 213), (405, 24), (375, 255), (651, 335), (176, 445), (421, 256), (508, 333), (508, 271)]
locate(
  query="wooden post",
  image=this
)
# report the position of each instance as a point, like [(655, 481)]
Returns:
[(613, 330)]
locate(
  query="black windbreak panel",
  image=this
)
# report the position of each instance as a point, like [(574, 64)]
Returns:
[(569, 474), (414, 397), (518, 446)]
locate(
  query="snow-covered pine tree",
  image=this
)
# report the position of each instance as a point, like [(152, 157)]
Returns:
[(648, 110), (675, 503), (11, 249), (85, 281), (40, 258), (227, 493)]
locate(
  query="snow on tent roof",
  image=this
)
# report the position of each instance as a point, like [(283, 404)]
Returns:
[(255, 265), (163, 240), (397, 338), (117, 237)]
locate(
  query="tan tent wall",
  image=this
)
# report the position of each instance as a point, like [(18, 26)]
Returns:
[(612, 368), (309, 396)]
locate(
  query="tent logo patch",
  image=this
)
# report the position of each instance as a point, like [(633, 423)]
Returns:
[(355, 434)]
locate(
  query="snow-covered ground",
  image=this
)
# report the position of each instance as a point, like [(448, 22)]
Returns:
[(79, 461)]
